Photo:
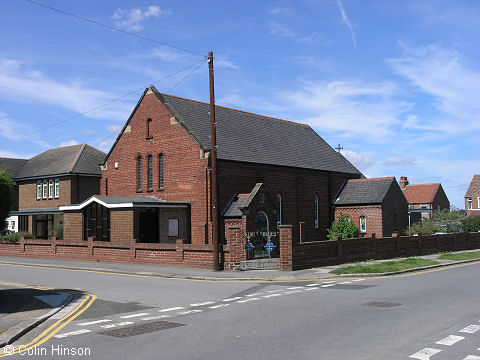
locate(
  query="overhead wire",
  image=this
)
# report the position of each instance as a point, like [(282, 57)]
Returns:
[(109, 102), (114, 28)]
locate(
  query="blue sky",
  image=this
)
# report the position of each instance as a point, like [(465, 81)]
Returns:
[(397, 84)]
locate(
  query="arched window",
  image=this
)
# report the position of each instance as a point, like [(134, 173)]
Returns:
[(96, 222), (316, 211), (148, 133), (161, 181), (260, 222), (363, 224), (279, 211), (150, 172), (139, 173)]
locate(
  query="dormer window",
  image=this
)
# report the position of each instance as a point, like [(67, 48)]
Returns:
[(148, 135), (469, 203)]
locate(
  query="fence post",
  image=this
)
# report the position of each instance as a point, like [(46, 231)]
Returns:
[(339, 241), (374, 246), (286, 247)]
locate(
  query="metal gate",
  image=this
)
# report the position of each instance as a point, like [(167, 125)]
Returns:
[(262, 249)]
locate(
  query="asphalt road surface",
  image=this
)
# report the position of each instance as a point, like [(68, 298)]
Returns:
[(427, 315)]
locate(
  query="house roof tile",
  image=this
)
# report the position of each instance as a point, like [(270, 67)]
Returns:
[(12, 166), (421, 193), (474, 186), (364, 191)]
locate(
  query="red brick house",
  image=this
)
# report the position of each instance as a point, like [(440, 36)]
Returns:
[(423, 199), (56, 177), (163, 152), (376, 206), (472, 197)]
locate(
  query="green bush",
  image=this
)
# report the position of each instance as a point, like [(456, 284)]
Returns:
[(58, 232), (471, 224), (427, 227), (6, 195), (15, 237), (343, 227)]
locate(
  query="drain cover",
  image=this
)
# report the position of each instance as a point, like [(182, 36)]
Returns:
[(134, 330), (381, 304)]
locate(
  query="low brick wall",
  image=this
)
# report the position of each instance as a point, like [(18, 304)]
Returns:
[(191, 255), (333, 252)]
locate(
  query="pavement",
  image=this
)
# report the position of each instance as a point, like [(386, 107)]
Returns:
[(24, 307)]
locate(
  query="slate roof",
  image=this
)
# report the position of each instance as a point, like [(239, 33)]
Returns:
[(247, 137), (233, 207), (129, 199), (421, 193), (474, 186), (75, 159), (12, 166), (364, 191)]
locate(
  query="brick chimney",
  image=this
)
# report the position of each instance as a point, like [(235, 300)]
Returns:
[(403, 182)]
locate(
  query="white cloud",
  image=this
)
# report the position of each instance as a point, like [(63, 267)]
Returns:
[(68, 143), (281, 11), (400, 160), (8, 128), (360, 160), (350, 107), (280, 30), (347, 21), (22, 84), (15, 155), (225, 63), (133, 19), (454, 87), (114, 128)]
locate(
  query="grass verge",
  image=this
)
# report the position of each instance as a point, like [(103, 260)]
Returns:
[(460, 256), (384, 267)]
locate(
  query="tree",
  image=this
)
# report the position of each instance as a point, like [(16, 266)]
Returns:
[(471, 224), (6, 196), (446, 221), (343, 227)]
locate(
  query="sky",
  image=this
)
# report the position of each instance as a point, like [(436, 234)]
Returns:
[(396, 83)]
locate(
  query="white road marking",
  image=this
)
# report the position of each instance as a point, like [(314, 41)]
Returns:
[(215, 306), (133, 315), (233, 299), (292, 292), (275, 291), (94, 322), (155, 317), (295, 288), (189, 312), (328, 282), (470, 329), (345, 282), (327, 285), (425, 354), (271, 295), (312, 288), (247, 300), (204, 303), (172, 309), (109, 326), (256, 294), (359, 280), (78, 332), (313, 284), (472, 357), (125, 323), (450, 340)]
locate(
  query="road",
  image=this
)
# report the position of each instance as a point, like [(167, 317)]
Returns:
[(433, 314)]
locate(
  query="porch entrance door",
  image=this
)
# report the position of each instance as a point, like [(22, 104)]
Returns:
[(149, 226)]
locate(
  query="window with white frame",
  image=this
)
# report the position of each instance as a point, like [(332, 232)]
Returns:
[(57, 188), (316, 212), (363, 224), (45, 188), (50, 189), (469, 203), (478, 202), (39, 189)]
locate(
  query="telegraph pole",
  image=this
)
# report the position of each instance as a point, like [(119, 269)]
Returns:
[(213, 158)]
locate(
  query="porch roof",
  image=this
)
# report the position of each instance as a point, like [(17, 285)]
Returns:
[(44, 211), (111, 202)]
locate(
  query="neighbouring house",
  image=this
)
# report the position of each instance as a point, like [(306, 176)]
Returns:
[(472, 197), (12, 167), (377, 206), (56, 177), (423, 199), (157, 178)]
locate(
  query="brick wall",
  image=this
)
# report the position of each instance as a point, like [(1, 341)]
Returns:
[(73, 226), (87, 186), (394, 211), (441, 200), (121, 226), (27, 194), (372, 213), (235, 242)]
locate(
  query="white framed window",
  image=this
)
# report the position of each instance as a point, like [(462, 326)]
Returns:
[(50, 189), (469, 203), (172, 227), (478, 203), (39, 190), (363, 224), (57, 188), (44, 189), (316, 212)]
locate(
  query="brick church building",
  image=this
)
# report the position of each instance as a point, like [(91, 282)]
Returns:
[(156, 181)]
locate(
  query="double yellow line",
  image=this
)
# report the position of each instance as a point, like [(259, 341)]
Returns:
[(53, 329)]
